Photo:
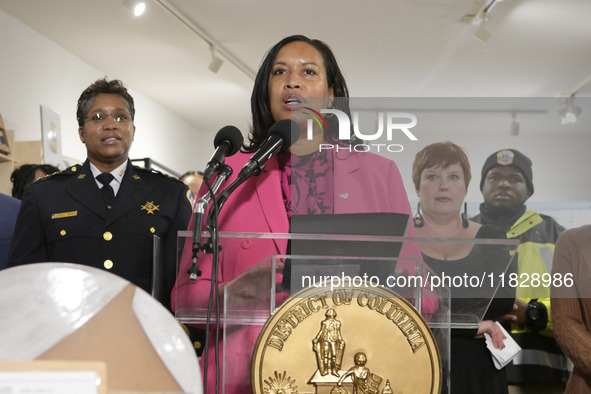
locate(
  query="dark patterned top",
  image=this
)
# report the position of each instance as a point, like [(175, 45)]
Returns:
[(307, 183)]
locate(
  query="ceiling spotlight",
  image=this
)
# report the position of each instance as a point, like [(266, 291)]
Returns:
[(480, 18), (138, 7), (481, 33), (514, 125), (216, 62), (570, 113)]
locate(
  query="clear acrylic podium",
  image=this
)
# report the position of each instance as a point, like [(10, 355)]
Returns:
[(249, 299)]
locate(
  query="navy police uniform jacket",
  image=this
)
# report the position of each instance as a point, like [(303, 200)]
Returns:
[(64, 218), (9, 208)]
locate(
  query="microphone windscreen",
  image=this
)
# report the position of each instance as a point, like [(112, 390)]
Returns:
[(232, 135), (288, 130)]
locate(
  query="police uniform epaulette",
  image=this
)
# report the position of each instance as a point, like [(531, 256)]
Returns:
[(70, 170), (75, 169), (153, 171)]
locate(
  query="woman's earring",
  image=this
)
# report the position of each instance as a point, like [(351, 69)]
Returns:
[(418, 219), (464, 215)]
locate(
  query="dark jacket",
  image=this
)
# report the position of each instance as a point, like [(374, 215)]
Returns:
[(541, 359), (9, 208), (64, 218)]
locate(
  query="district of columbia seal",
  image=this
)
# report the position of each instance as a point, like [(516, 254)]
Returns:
[(346, 341)]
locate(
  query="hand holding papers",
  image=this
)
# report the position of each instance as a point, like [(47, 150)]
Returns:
[(502, 357)]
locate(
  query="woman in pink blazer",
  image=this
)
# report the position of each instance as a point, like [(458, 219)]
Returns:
[(304, 180)]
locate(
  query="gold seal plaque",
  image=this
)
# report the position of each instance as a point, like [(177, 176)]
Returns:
[(346, 340)]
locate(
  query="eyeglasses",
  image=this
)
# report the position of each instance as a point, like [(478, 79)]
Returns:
[(100, 117)]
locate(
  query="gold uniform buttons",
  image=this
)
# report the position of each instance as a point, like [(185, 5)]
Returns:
[(108, 264), (152, 230), (107, 236), (63, 232)]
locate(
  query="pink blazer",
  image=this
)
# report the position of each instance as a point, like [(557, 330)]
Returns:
[(363, 182)]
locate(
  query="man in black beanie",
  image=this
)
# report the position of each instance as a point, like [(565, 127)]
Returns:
[(506, 183)]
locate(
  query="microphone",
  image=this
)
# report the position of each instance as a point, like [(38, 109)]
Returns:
[(282, 135), (227, 142)]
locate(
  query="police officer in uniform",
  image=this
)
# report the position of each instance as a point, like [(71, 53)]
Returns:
[(105, 212)]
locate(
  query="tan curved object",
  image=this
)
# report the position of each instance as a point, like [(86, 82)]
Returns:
[(60, 311)]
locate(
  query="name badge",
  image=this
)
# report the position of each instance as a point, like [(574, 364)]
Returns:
[(64, 215)]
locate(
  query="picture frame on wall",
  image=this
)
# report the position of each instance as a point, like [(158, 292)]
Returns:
[(4, 144), (51, 136)]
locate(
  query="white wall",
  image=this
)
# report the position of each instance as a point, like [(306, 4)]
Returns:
[(35, 71), (560, 153)]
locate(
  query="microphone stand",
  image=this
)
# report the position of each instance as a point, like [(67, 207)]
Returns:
[(214, 248), (198, 214), (212, 226)]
